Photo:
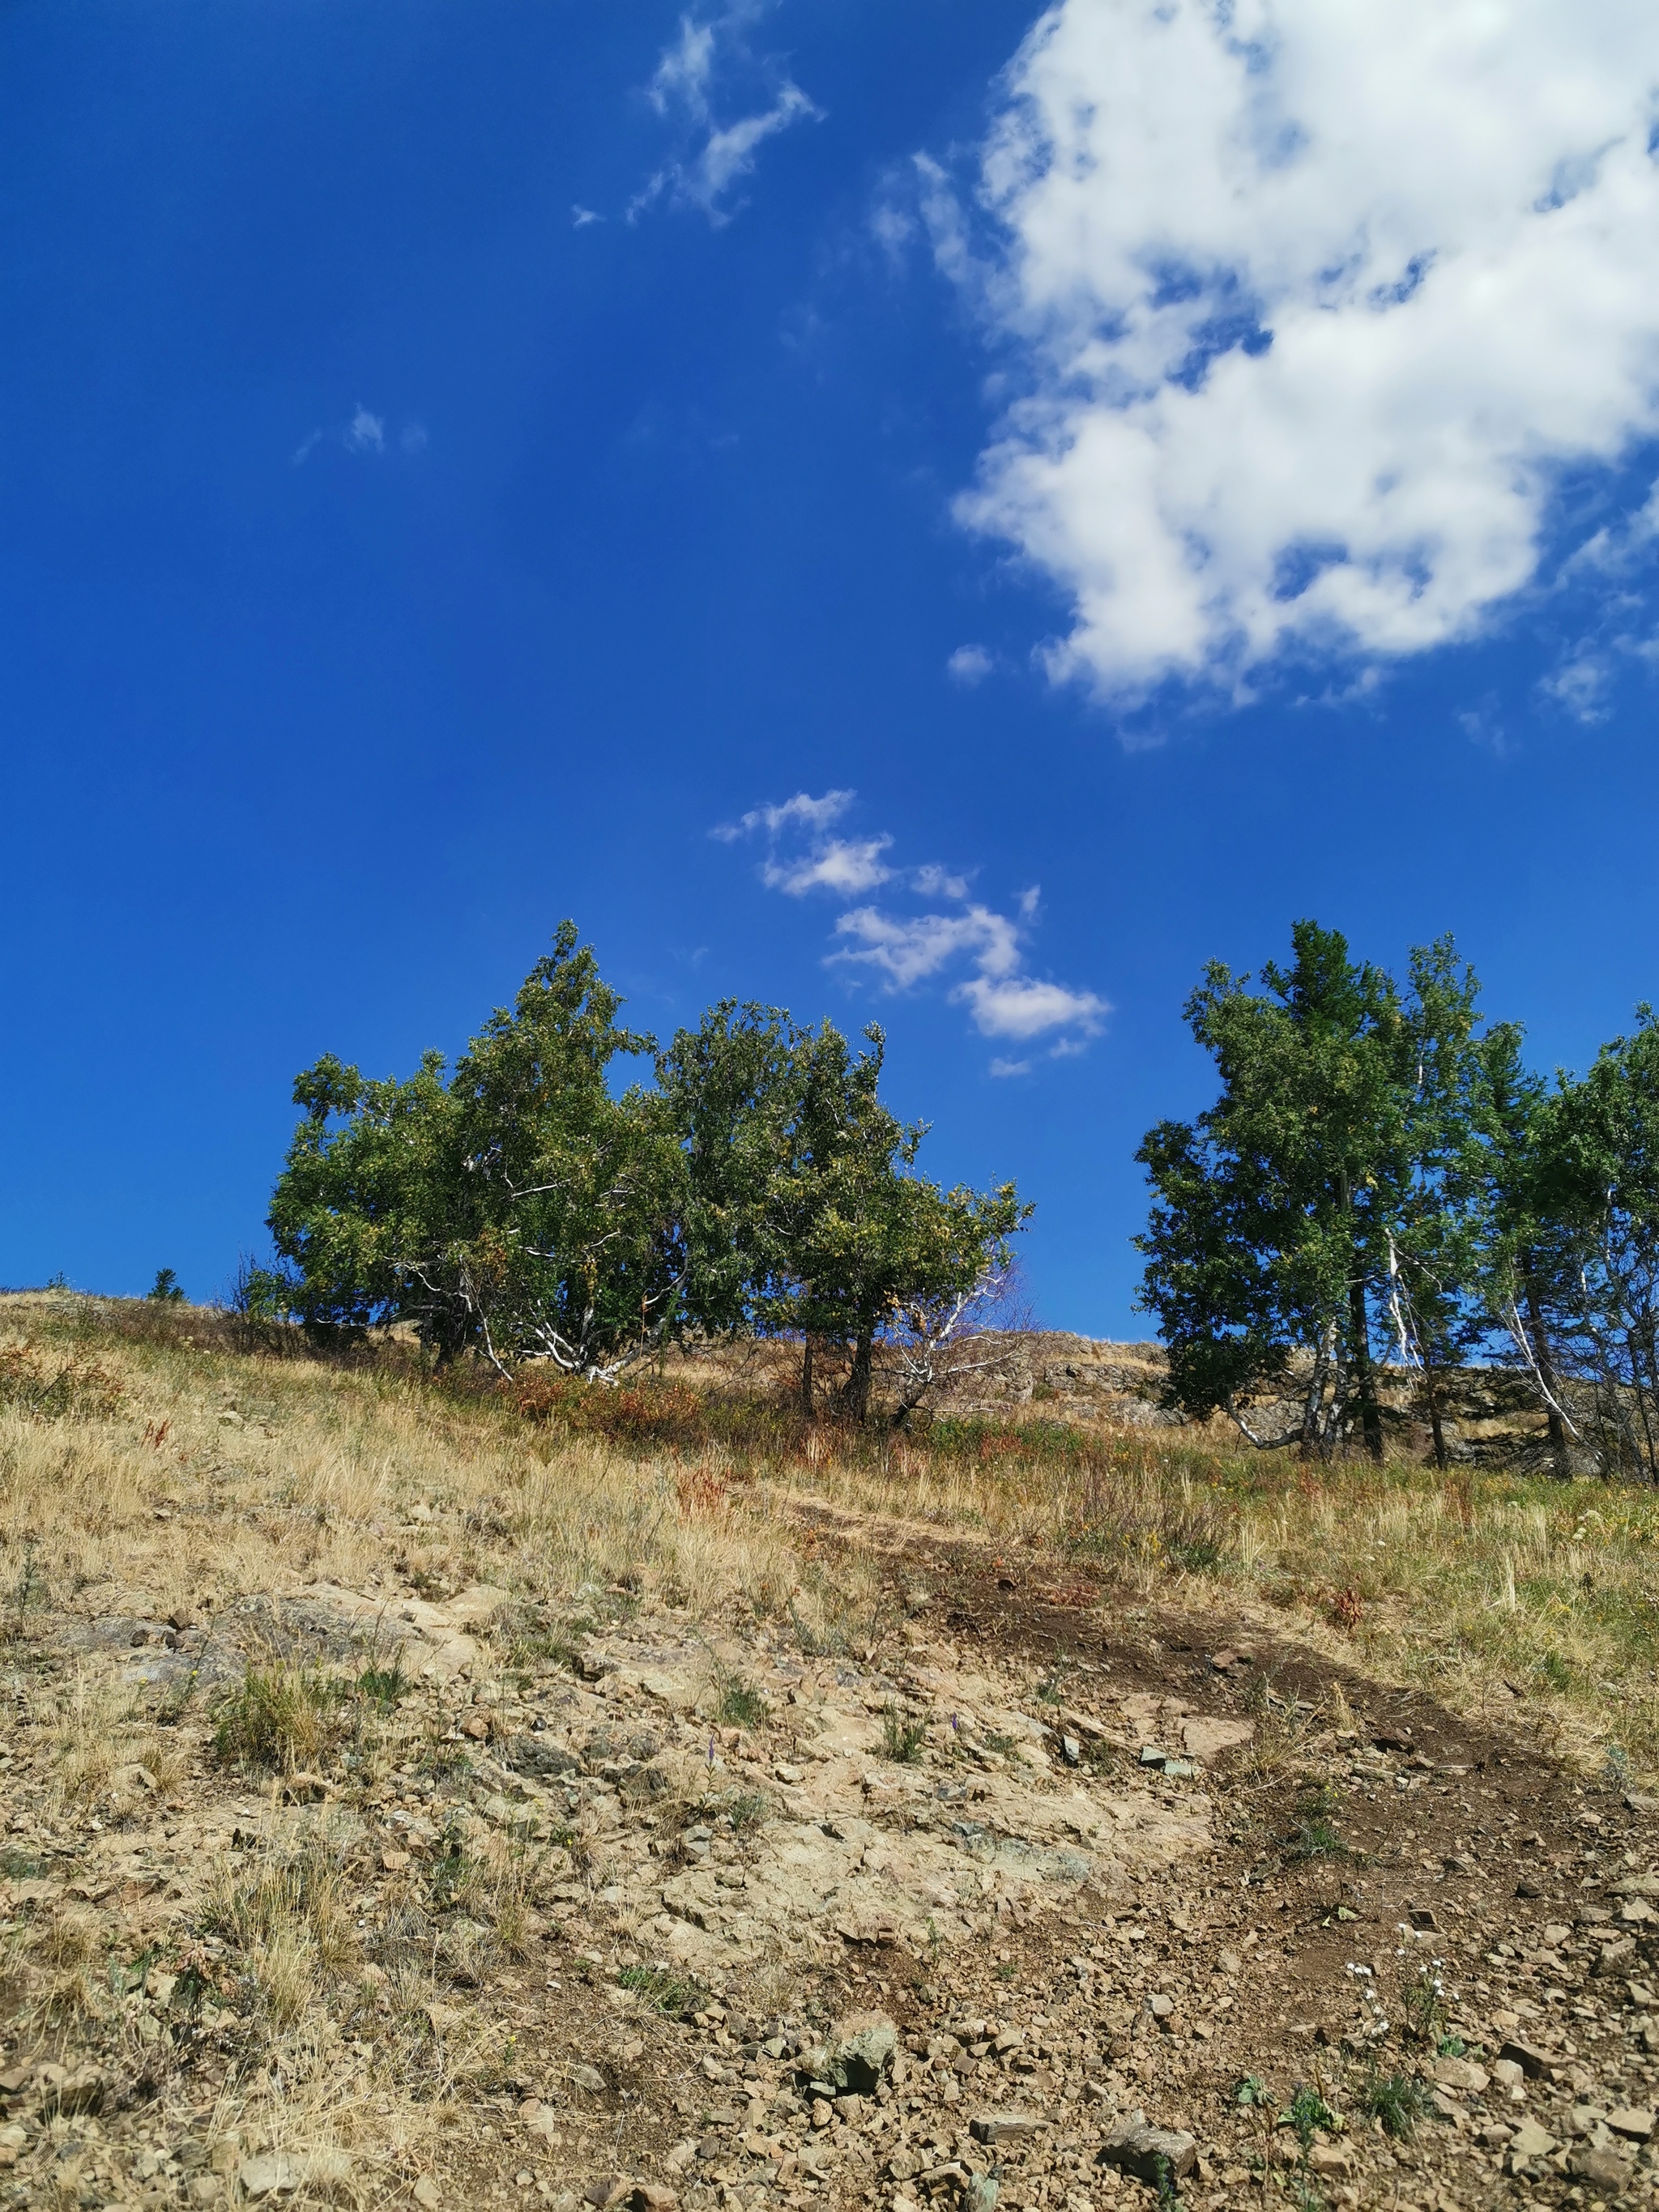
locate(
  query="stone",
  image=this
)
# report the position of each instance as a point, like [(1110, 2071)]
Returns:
[(1615, 1955), (858, 2063), (426, 2191), (1462, 2074), (1229, 1963), (81, 2091), (274, 2173), (654, 2196), (609, 2189), (1635, 2121), (1151, 1755), (1507, 2074), (1148, 2153), (1206, 1739), (980, 2193), (1160, 2007), (1179, 1769), (1533, 2063), (1330, 2159), (1071, 1751), (1529, 2141), (588, 2079), (1605, 2169), (1005, 2127), (1555, 1934)]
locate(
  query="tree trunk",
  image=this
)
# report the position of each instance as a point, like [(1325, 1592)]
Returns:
[(1371, 1416), (1540, 1345), (857, 1380), (806, 1377), (1431, 1391)]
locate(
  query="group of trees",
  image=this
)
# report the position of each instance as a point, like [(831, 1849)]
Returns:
[(525, 1205), (1382, 1179)]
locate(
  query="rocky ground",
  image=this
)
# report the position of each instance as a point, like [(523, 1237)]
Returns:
[(415, 1893)]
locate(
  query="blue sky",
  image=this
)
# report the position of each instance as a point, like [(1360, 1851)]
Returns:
[(456, 463)]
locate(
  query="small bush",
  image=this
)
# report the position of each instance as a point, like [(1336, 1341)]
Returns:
[(1308, 2111), (1399, 2100), (740, 1706), (383, 1686), (678, 1996), (901, 1739), (278, 1721)]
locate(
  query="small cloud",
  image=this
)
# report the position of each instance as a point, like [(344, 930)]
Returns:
[(934, 882), (365, 432), (809, 813), (1019, 1006), (1481, 726), (970, 665), (413, 437), (581, 216), (1580, 688), (306, 447), (905, 949), (844, 865), (682, 87)]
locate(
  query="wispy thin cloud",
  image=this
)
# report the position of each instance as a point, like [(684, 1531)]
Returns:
[(363, 433), (714, 156), (904, 949), (970, 665), (366, 433)]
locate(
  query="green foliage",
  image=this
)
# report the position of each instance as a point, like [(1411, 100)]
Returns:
[(1251, 2092), (276, 1721), (1308, 2111), (902, 1740), (383, 1686), (1399, 2100), (523, 1205), (165, 1290), (1315, 1835), (741, 1705), (678, 1996), (1326, 1182)]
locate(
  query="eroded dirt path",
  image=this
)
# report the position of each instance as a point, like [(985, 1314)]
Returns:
[(622, 1906)]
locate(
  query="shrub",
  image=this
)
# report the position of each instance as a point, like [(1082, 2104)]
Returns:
[(277, 1720)]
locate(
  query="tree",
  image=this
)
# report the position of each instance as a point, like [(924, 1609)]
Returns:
[(165, 1290), (860, 1244), (517, 1205), (1279, 1213)]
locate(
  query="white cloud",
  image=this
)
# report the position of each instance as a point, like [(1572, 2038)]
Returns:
[(905, 950), (841, 864), (970, 663), (413, 437), (934, 882), (715, 156), (811, 814), (1312, 302), (365, 432), (1011, 1067), (1580, 686)]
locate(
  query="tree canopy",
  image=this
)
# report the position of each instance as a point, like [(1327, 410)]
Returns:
[(526, 1204)]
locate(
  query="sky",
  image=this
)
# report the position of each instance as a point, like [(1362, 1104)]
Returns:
[(943, 515)]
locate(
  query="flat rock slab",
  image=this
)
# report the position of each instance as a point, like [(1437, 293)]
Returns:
[(1148, 2153)]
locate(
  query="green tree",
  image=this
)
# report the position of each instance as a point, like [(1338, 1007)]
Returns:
[(859, 1243), (1278, 1214), (519, 1203), (165, 1290)]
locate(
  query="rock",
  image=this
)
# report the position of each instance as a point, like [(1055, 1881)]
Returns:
[(1229, 1963), (81, 2091), (1071, 1751), (1005, 2127), (1148, 2153), (1422, 1919), (858, 2063), (980, 2193), (1555, 1934), (654, 2196), (1635, 2121), (1507, 2074), (1179, 1769), (1462, 2074), (274, 2173), (1533, 2063), (1605, 2168), (609, 2189), (587, 2078), (1160, 2007), (1330, 2159), (159, 1986), (790, 1774), (1151, 1755), (1204, 1739), (1529, 2142), (1615, 1955)]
